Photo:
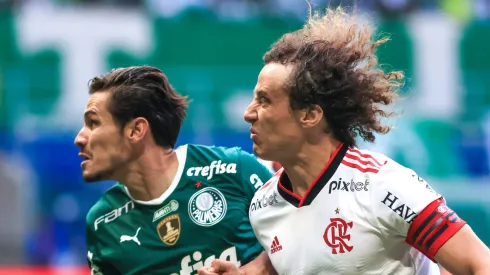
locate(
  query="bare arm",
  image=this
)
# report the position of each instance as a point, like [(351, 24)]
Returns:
[(464, 253), (259, 266)]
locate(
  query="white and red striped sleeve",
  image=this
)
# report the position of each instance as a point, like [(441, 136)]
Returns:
[(406, 206), (363, 161)]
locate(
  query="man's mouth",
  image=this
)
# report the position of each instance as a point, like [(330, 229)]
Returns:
[(85, 158)]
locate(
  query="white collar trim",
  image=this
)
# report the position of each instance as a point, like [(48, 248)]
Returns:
[(181, 158)]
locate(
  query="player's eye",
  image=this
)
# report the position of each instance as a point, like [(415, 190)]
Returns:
[(263, 100), (91, 123)]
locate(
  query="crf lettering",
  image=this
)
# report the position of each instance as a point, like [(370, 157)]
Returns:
[(348, 186), (114, 214), (401, 209), (336, 237)]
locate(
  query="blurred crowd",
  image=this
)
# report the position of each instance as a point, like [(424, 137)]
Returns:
[(462, 9)]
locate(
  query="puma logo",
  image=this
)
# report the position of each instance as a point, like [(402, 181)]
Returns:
[(131, 238)]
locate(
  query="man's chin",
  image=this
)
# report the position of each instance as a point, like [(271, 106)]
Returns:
[(264, 153), (93, 177), (259, 152)]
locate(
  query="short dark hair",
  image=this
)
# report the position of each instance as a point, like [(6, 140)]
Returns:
[(144, 91), (335, 67)]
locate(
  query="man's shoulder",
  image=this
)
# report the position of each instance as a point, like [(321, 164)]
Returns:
[(112, 199), (212, 151), (210, 161), (392, 171), (229, 160), (375, 165), (389, 178), (379, 174)]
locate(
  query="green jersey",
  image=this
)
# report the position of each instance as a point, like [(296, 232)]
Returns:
[(201, 217)]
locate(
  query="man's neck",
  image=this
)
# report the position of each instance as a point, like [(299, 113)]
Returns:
[(309, 163), (148, 177)]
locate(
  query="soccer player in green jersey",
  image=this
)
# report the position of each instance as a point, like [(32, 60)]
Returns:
[(173, 210)]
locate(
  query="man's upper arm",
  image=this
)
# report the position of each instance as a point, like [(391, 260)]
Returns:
[(93, 257), (95, 262), (252, 173), (464, 253), (259, 266), (406, 206)]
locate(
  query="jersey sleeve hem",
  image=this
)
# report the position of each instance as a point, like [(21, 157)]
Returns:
[(433, 227)]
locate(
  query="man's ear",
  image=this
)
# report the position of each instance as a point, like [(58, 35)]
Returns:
[(311, 116), (136, 129)]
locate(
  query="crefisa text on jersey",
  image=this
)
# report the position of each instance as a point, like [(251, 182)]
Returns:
[(215, 168), (188, 268), (114, 214), (264, 202), (349, 186)]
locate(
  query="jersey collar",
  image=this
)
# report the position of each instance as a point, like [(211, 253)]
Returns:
[(285, 189), (181, 153)]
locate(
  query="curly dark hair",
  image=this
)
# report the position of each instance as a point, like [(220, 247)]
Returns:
[(144, 91), (336, 68)]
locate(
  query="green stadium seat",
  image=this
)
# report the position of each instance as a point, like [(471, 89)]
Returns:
[(475, 69), (29, 84), (437, 136)]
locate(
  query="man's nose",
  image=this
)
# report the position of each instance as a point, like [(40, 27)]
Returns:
[(250, 114), (81, 138)]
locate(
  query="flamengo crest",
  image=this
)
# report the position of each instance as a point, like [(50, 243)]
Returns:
[(336, 236)]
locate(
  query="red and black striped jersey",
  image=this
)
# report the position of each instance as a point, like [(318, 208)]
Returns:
[(363, 214)]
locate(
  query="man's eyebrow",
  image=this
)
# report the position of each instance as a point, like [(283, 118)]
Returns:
[(261, 93), (89, 113)]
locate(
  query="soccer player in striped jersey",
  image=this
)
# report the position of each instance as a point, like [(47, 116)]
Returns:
[(333, 208)]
